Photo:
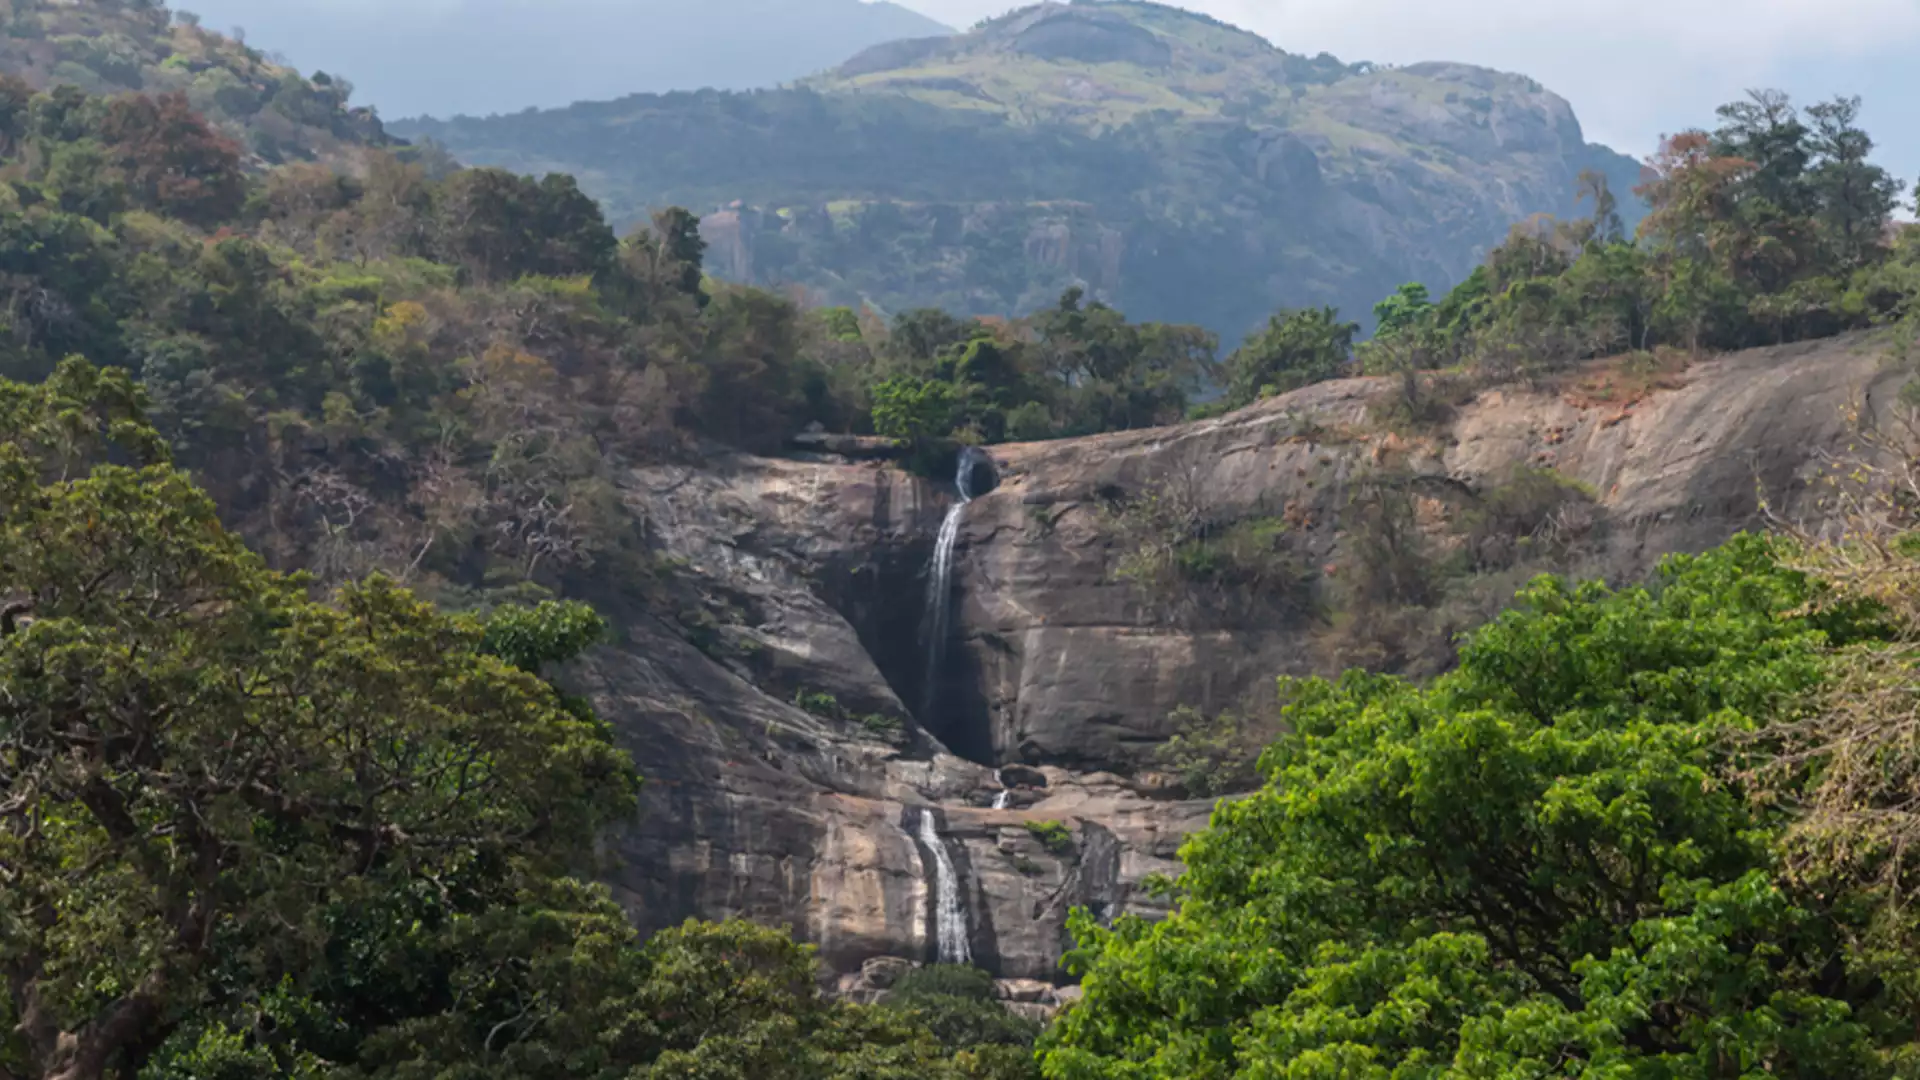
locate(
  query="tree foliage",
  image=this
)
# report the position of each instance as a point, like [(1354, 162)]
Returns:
[(1295, 349), (1540, 865), (1775, 227), (248, 833), (204, 769), (958, 1006), (440, 375)]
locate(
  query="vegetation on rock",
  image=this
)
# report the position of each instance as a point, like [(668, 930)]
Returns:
[(1774, 227), (274, 813), (245, 832)]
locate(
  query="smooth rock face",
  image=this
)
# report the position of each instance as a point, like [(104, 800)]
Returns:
[(1072, 670), (813, 573)]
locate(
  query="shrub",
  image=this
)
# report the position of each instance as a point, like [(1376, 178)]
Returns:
[(1535, 511), (883, 726), (1052, 835), (1218, 755), (1189, 565), (819, 703)]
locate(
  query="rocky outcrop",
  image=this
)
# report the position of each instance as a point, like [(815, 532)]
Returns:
[(813, 577), (1072, 671), (756, 807)]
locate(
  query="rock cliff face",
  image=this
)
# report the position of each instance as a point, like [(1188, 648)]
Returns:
[(814, 571)]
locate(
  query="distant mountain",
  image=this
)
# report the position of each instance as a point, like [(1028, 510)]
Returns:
[(108, 47), (478, 57), (1167, 162)]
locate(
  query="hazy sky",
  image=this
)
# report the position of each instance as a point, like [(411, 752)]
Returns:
[(1632, 68)]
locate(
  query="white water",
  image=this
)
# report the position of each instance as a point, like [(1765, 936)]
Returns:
[(1000, 800), (949, 917), (940, 578)]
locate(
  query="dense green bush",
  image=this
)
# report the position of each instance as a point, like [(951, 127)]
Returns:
[(1544, 864), (959, 1006)]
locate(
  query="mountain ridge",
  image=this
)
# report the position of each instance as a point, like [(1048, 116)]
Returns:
[(1182, 169), (486, 57)]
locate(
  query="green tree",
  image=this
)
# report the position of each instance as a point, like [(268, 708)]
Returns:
[(1541, 865), (1297, 348), (733, 1001), (1110, 374), (677, 233), (925, 333), (1856, 198), (205, 768), (917, 410), (957, 1004), (1406, 308), (1766, 131), (501, 226)]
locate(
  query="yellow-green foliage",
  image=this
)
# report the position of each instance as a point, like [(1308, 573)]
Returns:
[(118, 46)]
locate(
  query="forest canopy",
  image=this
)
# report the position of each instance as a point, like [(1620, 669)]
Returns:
[(1566, 858), (266, 809), (245, 832)]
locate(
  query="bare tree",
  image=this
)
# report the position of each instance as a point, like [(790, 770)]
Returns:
[(1858, 744)]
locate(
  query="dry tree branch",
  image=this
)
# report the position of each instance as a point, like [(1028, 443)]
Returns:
[(1851, 765)]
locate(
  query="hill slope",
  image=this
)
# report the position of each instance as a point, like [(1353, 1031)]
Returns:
[(1181, 168), (111, 46), (477, 57)]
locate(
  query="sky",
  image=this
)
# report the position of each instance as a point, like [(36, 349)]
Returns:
[(1633, 69)]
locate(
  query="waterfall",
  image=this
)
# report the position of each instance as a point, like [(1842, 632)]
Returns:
[(949, 914), (940, 578), (1000, 800)]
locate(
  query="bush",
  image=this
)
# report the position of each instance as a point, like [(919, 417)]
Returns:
[(883, 726), (1052, 835), (819, 703), (1550, 855), (1188, 565), (959, 1006), (1534, 513), (1219, 755)]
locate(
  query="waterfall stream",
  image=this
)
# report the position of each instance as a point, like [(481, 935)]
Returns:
[(940, 579), (1006, 793), (949, 914)]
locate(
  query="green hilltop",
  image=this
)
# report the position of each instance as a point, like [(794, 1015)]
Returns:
[(106, 47)]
